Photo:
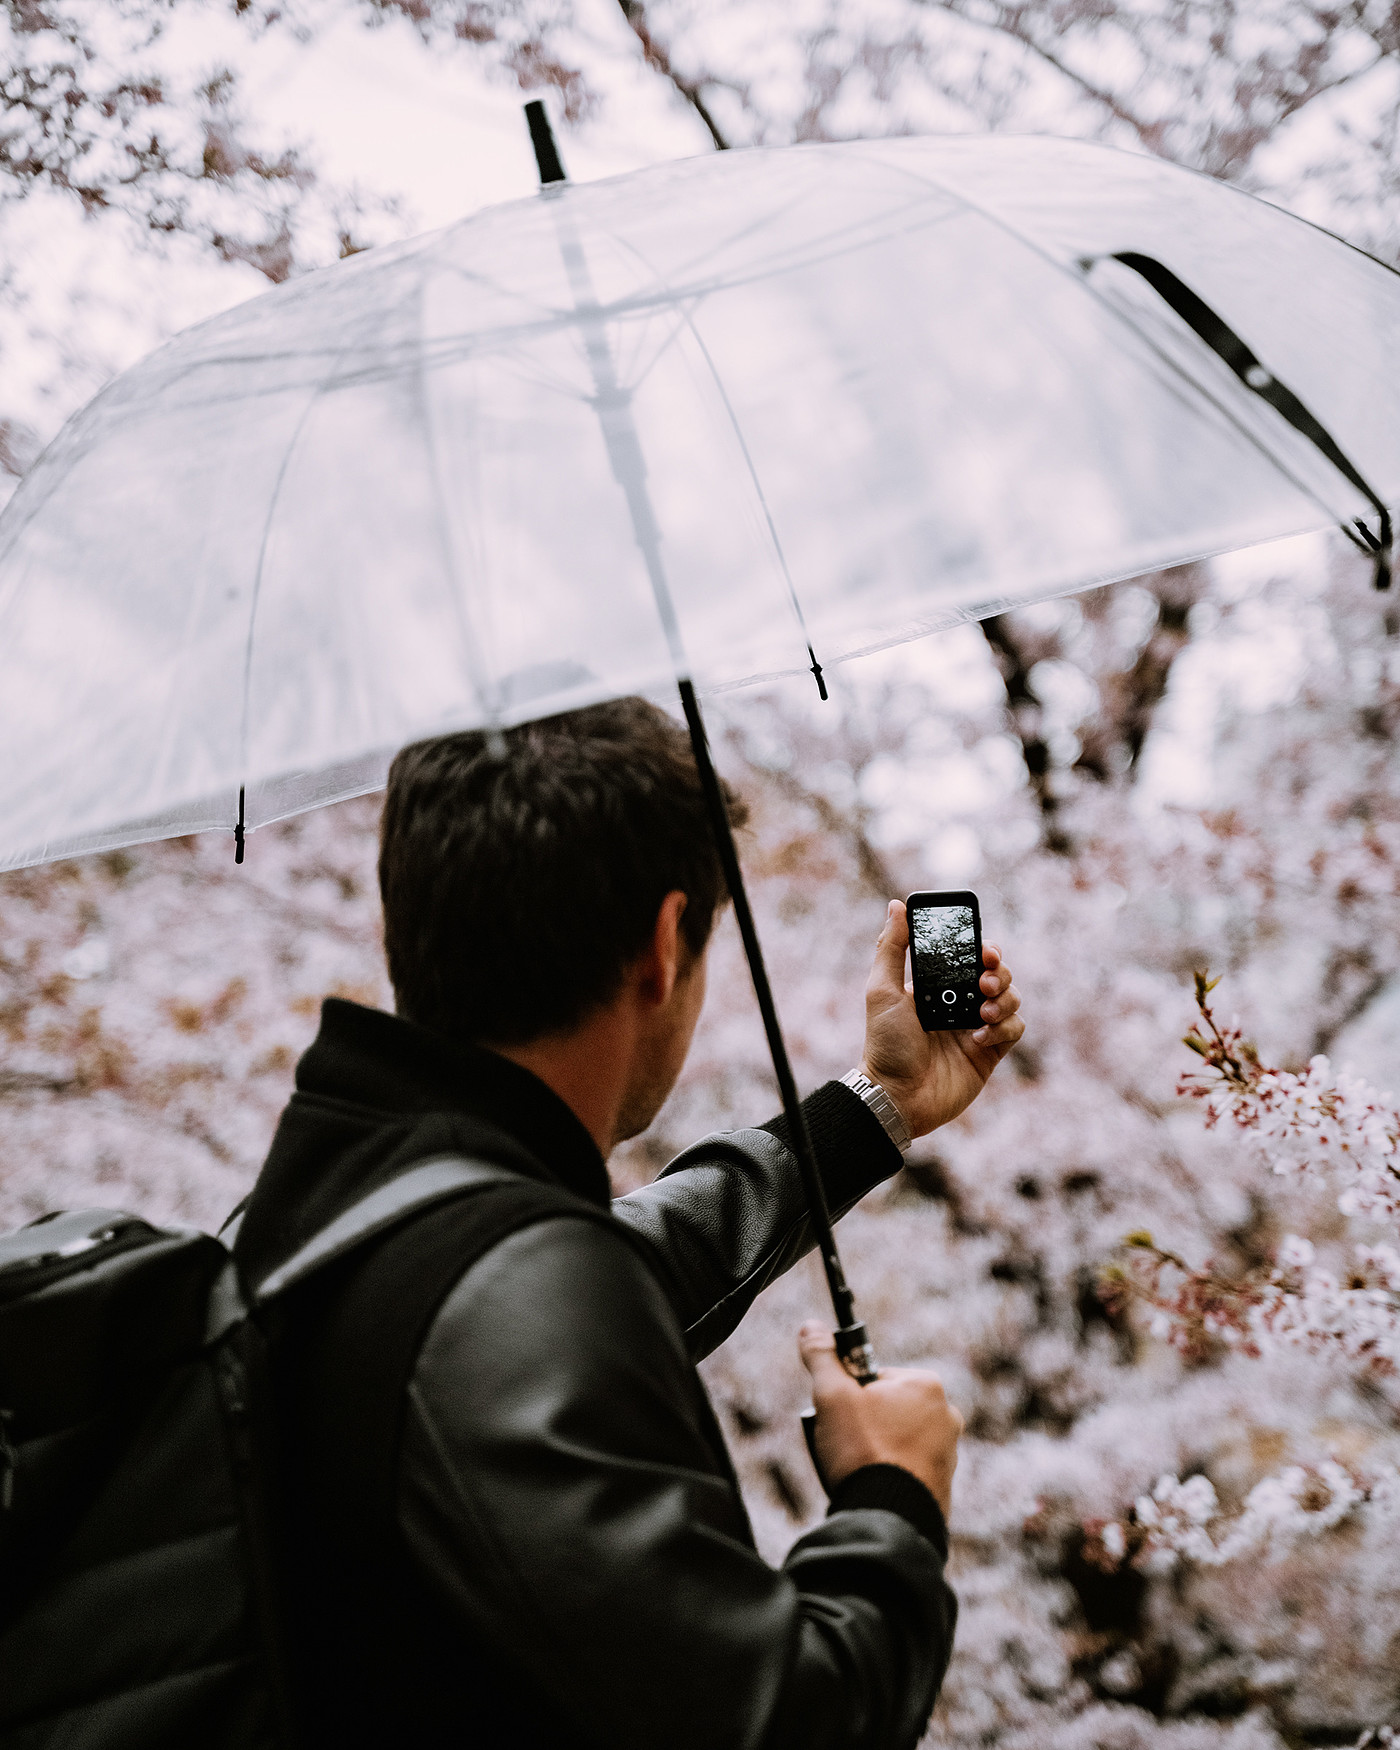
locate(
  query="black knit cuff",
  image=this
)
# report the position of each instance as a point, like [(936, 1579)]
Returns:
[(898, 1491), (854, 1151)]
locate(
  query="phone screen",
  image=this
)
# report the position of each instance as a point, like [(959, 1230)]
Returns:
[(945, 945), (945, 941)]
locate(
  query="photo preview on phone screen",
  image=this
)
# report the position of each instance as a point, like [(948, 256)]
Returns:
[(945, 939)]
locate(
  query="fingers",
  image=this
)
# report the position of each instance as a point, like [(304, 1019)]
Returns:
[(1001, 1023), (1002, 1005), (997, 976), (817, 1347), (1002, 1036), (887, 973)]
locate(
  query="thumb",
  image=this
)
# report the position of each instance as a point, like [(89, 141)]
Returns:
[(817, 1347), (888, 971)]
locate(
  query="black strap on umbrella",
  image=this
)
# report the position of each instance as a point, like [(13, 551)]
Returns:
[(1227, 345)]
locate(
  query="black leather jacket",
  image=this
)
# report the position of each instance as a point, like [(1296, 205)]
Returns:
[(572, 1561)]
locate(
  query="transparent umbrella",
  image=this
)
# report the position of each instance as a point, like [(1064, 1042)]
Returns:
[(710, 422)]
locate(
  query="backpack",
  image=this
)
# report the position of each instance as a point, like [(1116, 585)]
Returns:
[(139, 1595)]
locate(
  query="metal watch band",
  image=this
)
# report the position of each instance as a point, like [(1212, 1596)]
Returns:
[(881, 1105)]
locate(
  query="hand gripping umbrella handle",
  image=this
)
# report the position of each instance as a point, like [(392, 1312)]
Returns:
[(809, 1417)]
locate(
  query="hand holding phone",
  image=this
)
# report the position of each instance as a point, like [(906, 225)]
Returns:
[(934, 1068), (945, 950)]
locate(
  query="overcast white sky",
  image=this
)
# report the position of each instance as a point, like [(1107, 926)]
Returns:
[(430, 126), (375, 108)]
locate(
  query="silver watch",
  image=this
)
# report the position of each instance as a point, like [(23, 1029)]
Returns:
[(882, 1106)]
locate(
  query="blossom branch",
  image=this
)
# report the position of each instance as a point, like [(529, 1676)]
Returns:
[(1320, 1124), (1182, 1521)]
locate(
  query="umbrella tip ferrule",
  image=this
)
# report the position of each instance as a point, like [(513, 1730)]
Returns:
[(1380, 548), (238, 831), (817, 674)]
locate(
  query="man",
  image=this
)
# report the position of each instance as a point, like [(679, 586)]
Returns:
[(549, 1548)]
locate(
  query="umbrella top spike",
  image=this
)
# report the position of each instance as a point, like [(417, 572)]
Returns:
[(542, 139)]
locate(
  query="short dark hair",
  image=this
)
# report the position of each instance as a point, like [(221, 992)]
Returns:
[(522, 874)]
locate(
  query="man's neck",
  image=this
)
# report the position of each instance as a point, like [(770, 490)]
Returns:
[(587, 1067)]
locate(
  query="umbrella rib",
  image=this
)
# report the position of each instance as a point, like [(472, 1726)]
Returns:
[(833, 243), (492, 340), (762, 497), (684, 307), (256, 601), (487, 696), (1206, 393), (837, 240), (638, 303)]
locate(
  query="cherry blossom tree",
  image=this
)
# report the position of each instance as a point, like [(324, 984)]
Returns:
[(1315, 1124), (1174, 1521)]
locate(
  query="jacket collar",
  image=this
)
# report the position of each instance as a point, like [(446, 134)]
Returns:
[(368, 1059)]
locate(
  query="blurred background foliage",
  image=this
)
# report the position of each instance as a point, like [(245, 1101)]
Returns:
[(1195, 769)]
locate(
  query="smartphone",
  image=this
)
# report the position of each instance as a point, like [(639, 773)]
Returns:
[(945, 947)]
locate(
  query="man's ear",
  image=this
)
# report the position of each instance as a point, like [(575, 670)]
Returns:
[(661, 963)]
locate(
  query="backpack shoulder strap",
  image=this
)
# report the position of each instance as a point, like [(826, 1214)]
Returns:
[(363, 1323), (346, 1340), (429, 1183)]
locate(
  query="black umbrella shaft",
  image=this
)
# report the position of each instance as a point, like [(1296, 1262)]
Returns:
[(851, 1340), (624, 451)]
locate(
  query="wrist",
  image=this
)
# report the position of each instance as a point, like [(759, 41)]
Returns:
[(876, 1095), (907, 1095), (896, 1489)]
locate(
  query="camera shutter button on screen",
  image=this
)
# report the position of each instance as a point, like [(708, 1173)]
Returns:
[(950, 996)]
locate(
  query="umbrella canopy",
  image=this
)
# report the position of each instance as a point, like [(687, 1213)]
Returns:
[(839, 395)]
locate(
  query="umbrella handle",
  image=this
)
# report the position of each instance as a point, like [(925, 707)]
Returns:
[(870, 1372), (809, 1434)]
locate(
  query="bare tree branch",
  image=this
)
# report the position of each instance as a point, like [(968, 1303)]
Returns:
[(1011, 23), (843, 825), (1343, 966), (1015, 654), (1112, 743), (659, 58)]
